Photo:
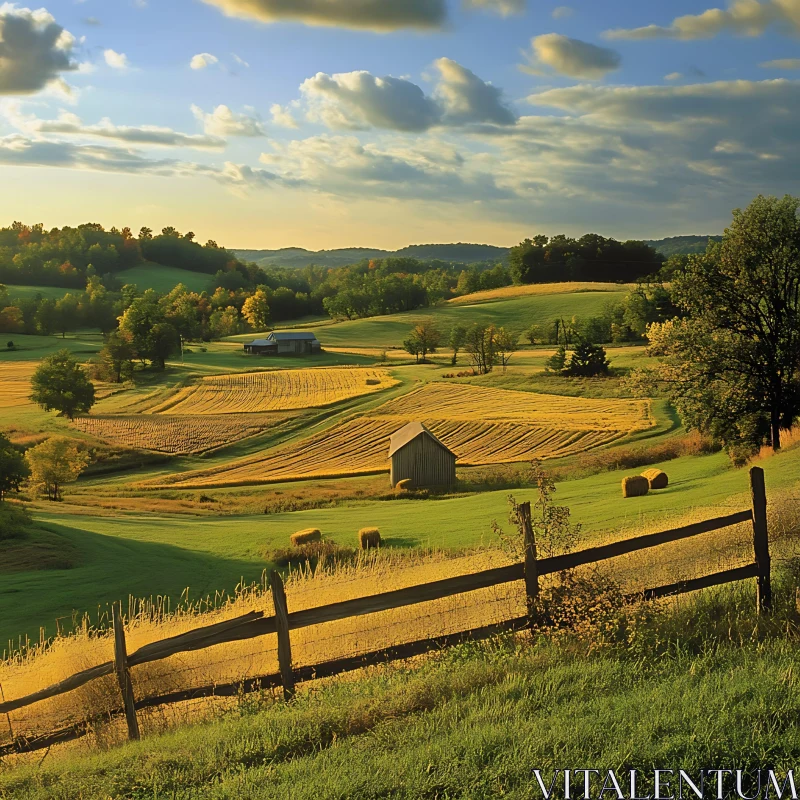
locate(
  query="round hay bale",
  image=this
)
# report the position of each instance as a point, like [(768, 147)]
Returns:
[(406, 485), (635, 486), (656, 478), (373, 382), (306, 536), (369, 537)]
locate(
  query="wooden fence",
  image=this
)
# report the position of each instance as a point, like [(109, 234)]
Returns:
[(283, 622)]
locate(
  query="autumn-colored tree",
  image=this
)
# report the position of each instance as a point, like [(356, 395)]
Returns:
[(54, 463), (256, 310)]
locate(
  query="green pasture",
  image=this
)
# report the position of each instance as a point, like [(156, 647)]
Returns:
[(148, 554), (517, 313), (165, 279), (30, 292)]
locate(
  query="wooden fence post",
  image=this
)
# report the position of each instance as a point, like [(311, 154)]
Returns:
[(531, 567), (761, 540), (284, 642), (123, 674)]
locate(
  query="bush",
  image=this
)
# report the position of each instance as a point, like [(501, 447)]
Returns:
[(14, 522), (311, 555)]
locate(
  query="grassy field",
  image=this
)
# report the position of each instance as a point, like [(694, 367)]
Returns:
[(700, 683), (515, 312), (165, 279), (147, 554), (28, 292)]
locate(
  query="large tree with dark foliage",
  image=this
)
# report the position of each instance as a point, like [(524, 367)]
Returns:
[(732, 365), (590, 258), (61, 384)]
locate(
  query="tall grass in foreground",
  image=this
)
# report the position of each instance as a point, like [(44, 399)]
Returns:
[(593, 624)]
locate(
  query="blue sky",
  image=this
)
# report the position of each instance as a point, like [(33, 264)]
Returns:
[(328, 123)]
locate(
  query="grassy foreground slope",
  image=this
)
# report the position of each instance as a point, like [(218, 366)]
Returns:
[(146, 554), (476, 721)]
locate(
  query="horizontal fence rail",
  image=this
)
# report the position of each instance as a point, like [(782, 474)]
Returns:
[(255, 624)]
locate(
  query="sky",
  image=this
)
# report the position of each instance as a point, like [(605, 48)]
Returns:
[(382, 123)]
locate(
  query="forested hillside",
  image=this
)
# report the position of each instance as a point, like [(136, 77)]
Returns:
[(682, 245)]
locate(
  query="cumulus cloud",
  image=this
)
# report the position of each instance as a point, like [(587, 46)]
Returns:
[(503, 7), (342, 165), (116, 60), (376, 15), (742, 17), (465, 98), (573, 57), (282, 116), (360, 100), (673, 76), (68, 124), (203, 60), (222, 121), (562, 12), (34, 50), (782, 63)]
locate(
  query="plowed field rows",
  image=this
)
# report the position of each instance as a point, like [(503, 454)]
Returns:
[(177, 435), (278, 390), (482, 426), (15, 383)]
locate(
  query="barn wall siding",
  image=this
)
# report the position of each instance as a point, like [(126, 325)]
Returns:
[(425, 463)]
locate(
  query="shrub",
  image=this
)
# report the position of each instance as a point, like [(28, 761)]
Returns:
[(14, 522), (656, 478), (369, 537), (635, 486), (306, 536), (312, 554)]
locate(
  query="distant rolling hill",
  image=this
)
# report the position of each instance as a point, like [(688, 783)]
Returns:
[(682, 245), (298, 257)]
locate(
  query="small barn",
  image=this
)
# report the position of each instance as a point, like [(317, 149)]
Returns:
[(417, 455), (278, 343)]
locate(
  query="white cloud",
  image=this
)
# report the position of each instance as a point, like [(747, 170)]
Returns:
[(673, 76), (376, 15), (34, 50), (562, 12), (782, 63), (466, 99), (203, 60), (282, 116), (573, 57), (742, 17), (360, 100), (116, 60), (68, 124), (240, 61), (222, 121), (503, 7)]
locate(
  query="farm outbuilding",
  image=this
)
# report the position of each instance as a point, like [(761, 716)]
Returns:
[(295, 343), (417, 455)]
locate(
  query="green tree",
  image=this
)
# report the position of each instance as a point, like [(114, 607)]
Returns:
[(13, 467), (60, 384), (732, 366), (505, 345), (558, 361), (66, 314), (117, 357), (162, 342), (588, 361), (458, 335), (480, 342), (56, 462)]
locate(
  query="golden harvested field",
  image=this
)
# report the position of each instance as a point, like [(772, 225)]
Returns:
[(277, 390), (482, 426), (177, 435), (528, 290), (15, 383)]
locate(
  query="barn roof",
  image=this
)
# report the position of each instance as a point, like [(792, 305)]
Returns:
[(260, 343), (407, 434), (289, 335)]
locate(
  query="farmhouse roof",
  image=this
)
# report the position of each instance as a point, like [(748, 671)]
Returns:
[(289, 335), (407, 434), (260, 343)]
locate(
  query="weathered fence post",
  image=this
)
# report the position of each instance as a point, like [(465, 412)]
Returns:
[(761, 540), (284, 642), (123, 674), (531, 567)]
